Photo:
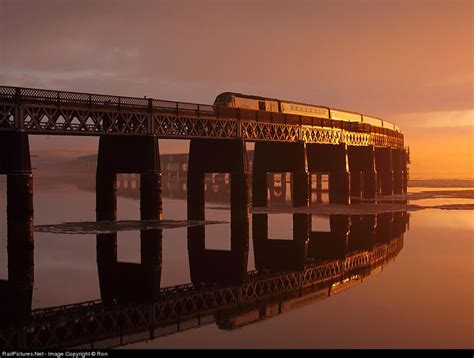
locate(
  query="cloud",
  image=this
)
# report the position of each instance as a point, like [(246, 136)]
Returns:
[(436, 119), (373, 57)]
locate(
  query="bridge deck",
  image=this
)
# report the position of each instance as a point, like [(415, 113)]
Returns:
[(37, 111)]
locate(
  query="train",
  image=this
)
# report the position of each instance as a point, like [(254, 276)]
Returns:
[(239, 100)]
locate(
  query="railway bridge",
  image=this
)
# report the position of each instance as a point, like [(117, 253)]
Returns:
[(361, 159)]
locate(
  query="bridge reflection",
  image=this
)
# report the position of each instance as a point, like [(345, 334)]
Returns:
[(308, 266), (216, 187)]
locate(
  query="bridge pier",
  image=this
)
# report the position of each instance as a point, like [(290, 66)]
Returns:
[(383, 163), (15, 162), (280, 255), (356, 185), (404, 163), (333, 160), (398, 171), (362, 169), (218, 156), (134, 154), (274, 157)]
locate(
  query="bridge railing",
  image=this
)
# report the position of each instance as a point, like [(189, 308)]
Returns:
[(66, 97)]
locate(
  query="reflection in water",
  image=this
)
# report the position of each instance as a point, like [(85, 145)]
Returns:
[(289, 273), (217, 187), (126, 282), (16, 291)]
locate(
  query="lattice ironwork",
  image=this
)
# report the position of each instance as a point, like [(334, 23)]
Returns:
[(273, 285), (7, 116), (357, 138), (319, 273), (192, 127), (269, 131), (312, 134), (47, 120)]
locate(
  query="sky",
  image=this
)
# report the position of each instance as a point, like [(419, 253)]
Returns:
[(407, 61)]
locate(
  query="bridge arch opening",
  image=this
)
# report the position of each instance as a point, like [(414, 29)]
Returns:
[(217, 206), (279, 188), (319, 187)]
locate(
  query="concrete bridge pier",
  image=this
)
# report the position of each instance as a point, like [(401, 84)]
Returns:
[(383, 164), (333, 160), (279, 157), (362, 169), (278, 255), (218, 156)]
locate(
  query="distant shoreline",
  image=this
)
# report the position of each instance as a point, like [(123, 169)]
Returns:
[(442, 183)]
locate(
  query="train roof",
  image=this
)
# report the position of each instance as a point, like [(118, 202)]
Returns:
[(271, 99), (248, 96)]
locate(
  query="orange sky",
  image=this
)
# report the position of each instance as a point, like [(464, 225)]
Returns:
[(410, 62)]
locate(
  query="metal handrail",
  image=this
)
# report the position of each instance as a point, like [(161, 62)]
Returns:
[(68, 97)]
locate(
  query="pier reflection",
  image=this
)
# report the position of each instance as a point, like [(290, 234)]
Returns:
[(217, 188), (295, 271), (127, 282), (16, 291)]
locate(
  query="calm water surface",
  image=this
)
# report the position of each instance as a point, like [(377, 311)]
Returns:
[(424, 297)]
